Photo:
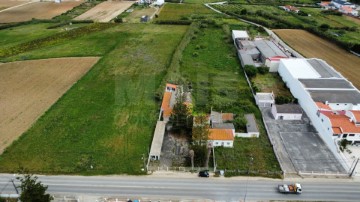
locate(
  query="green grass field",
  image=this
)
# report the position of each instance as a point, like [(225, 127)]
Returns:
[(211, 65), (271, 82), (171, 11), (104, 123)]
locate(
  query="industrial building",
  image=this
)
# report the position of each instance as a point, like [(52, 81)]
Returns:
[(258, 52), (331, 102)]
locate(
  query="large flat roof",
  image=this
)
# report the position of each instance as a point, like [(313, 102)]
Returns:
[(300, 68), (324, 69), (326, 83), (251, 125), (268, 49), (335, 96), (246, 59), (158, 138)]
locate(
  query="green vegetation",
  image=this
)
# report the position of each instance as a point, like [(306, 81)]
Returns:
[(53, 39), (33, 190), (271, 82), (104, 123), (172, 12), (339, 29), (218, 82)]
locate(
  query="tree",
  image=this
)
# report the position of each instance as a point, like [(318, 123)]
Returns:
[(200, 130), (250, 71), (33, 191), (181, 117)]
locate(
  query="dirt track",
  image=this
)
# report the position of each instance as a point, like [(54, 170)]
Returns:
[(29, 88), (38, 10), (312, 46), (106, 11)]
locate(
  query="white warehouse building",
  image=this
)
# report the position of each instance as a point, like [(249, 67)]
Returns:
[(331, 102)]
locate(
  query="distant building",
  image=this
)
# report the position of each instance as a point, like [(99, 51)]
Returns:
[(348, 11), (221, 137), (289, 8), (240, 35), (340, 3)]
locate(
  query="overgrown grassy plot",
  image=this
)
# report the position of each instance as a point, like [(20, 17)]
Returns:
[(172, 11), (92, 44), (271, 82), (104, 123), (210, 64)]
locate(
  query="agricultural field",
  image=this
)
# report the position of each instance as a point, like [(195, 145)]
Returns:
[(38, 10), (340, 29), (106, 11), (171, 11), (29, 88), (310, 46), (137, 13), (211, 65), (104, 123), (4, 4)]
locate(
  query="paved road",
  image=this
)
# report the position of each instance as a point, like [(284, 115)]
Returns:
[(192, 187)]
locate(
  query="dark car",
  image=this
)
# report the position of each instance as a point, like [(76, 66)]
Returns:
[(204, 173)]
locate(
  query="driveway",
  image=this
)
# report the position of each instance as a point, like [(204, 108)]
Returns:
[(299, 147)]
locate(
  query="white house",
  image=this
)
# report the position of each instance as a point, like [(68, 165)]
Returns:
[(221, 137), (265, 99), (287, 112), (340, 3), (240, 34)]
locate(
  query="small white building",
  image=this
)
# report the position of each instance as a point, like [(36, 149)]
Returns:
[(264, 99), (287, 112), (252, 129), (221, 137), (240, 34)]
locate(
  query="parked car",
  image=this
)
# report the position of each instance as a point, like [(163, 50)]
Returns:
[(204, 173)]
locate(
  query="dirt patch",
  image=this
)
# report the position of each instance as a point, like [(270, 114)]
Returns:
[(4, 4), (175, 150), (29, 88), (38, 10), (312, 46), (135, 16), (106, 11)]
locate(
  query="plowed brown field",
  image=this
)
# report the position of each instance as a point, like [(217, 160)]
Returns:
[(38, 10), (29, 88), (10, 3), (106, 11), (312, 46)]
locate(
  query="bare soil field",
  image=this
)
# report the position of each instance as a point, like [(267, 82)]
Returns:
[(106, 11), (4, 4), (312, 46), (356, 20), (38, 10), (29, 88)]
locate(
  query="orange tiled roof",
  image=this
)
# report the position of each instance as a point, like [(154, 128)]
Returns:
[(165, 106), (227, 116), (221, 134), (347, 9), (171, 85), (343, 122), (325, 3), (336, 130), (356, 114), (322, 106)]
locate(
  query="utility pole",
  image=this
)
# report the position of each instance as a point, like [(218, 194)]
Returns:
[(354, 168), (214, 158)]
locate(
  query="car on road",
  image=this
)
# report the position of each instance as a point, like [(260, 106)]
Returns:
[(204, 173)]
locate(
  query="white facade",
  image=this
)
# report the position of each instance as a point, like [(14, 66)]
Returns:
[(264, 99), (284, 116), (272, 64), (223, 143)]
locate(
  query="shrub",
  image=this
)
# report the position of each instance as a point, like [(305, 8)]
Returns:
[(262, 70), (324, 27), (250, 71)]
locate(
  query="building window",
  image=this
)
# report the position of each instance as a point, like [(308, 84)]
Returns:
[(322, 120), (216, 143), (228, 143), (345, 135), (337, 104), (335, 134), (351, 135)]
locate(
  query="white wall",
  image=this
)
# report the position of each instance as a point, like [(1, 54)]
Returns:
[(309, 107), (219, 143), (342, 106), (273, 65), (247, 135), (288, 116)]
